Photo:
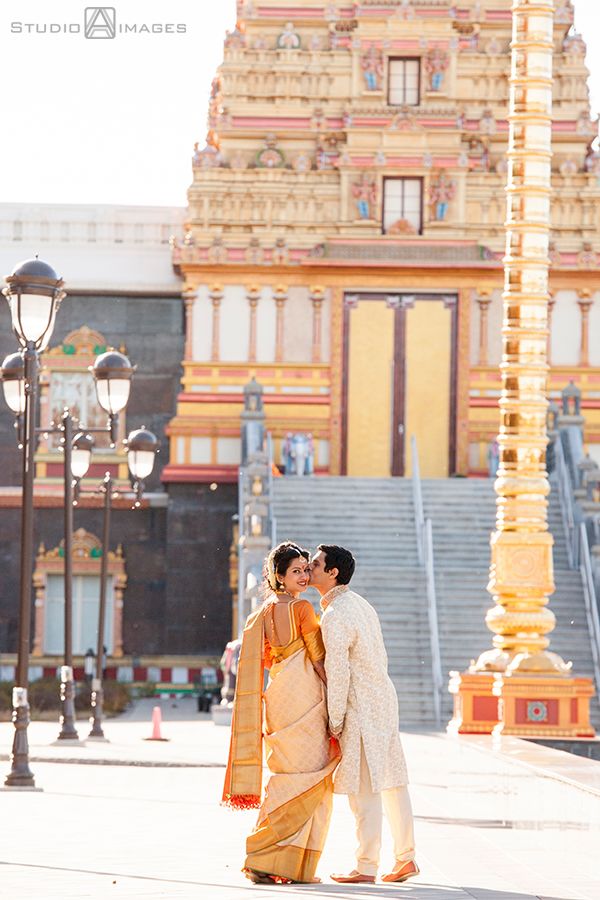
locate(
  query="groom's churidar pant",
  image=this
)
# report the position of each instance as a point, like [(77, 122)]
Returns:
[(367, 809)]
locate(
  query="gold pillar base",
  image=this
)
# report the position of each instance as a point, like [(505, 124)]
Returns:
[(544, 705), (475, 704)]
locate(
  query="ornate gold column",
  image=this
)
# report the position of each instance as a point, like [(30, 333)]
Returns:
[(253, 295), (483, 300), (280, 295), (585, 300), (534, 686), (317, 295), (189, 297), (215, 292)]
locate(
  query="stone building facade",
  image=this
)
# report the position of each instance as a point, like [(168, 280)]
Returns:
[(345, 236)]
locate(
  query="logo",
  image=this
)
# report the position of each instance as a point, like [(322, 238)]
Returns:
[(100, 22)]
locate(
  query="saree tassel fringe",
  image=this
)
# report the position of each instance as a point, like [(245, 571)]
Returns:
[(241, 801)]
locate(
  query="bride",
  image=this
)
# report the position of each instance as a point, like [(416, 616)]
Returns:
[(283, 635)]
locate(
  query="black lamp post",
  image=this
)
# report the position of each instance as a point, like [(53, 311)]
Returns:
[(142, 447), (34, 292)]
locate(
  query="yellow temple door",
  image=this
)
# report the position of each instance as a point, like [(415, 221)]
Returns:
[(399, 380)]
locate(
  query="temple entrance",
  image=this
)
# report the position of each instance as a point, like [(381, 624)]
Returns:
[(399, 380)]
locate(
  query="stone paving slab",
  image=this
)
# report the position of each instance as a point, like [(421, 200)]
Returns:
[(488, 828)]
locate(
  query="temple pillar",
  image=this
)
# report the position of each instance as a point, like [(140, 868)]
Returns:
[(551, 305), (253, 296), (280, 296), (585, 301), (215, 293), (317, 295), (189, 298), (484, 299)]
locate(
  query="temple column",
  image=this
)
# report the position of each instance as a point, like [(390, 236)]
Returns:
[(280, 295), (484, 299), (317, 295), (585, 301), (189, 298), (215, 293), (253, 296)]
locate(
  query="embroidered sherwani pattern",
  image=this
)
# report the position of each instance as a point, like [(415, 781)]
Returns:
[(362, 700)]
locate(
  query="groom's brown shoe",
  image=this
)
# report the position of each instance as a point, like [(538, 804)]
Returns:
[(402, 871), (354, 877)]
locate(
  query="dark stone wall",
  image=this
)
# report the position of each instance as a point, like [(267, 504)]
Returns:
[(198, 600), (152, 330), (178, 598), (143, 536)]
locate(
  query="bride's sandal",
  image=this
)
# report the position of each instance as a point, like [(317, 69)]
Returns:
[(263, 878)]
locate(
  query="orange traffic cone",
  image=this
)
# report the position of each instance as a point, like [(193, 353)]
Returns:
[(156, 723)]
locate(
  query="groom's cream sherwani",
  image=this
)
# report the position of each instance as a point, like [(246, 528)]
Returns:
[(360, 694), (363, 709)]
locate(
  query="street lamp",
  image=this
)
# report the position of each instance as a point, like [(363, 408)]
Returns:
[(13, 382), (34, 292), (81, 455), (112, 373), (142, 447)]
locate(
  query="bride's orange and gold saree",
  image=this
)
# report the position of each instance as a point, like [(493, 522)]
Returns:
[(291, 717)]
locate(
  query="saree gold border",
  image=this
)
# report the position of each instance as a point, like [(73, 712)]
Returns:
[(288, 862), (288, 818), (244, 766), (263, 852)]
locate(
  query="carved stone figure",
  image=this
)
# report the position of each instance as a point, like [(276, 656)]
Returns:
[(436, 62), (487, 123), (254, 252), (564, 13), (217, 252), (236, 39), (289, 39), (270, 157), (281, 254), (441, 191), (302, 163), (568, 167), (587, 258), (372, 65), (210, 157), (365, 195), (574, 45)]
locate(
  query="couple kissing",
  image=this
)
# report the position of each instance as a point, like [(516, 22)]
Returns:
[(329, 721)]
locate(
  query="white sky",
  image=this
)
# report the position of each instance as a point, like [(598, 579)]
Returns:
[(114, 121)]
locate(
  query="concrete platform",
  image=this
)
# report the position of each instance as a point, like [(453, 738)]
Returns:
[(504, 821)]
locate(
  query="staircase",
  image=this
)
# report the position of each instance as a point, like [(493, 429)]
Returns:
[(463, 514), (374, 519)]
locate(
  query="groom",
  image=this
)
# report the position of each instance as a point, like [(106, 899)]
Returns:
[(363, 714)]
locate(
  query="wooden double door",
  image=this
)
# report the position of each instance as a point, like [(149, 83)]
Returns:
[(399, 380)]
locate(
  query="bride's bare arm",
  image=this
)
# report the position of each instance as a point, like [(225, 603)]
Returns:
[(319, 668)]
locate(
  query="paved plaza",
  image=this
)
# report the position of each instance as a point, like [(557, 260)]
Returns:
[(143, 820)]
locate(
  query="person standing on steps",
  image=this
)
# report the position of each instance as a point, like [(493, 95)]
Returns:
[(363, 715)]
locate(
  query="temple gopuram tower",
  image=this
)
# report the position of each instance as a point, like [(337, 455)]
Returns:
[(345, 236)]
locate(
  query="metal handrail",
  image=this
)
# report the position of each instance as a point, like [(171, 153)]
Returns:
[(417, 500), (567, 506), (424, 533), (434, 636), (591, 602)]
